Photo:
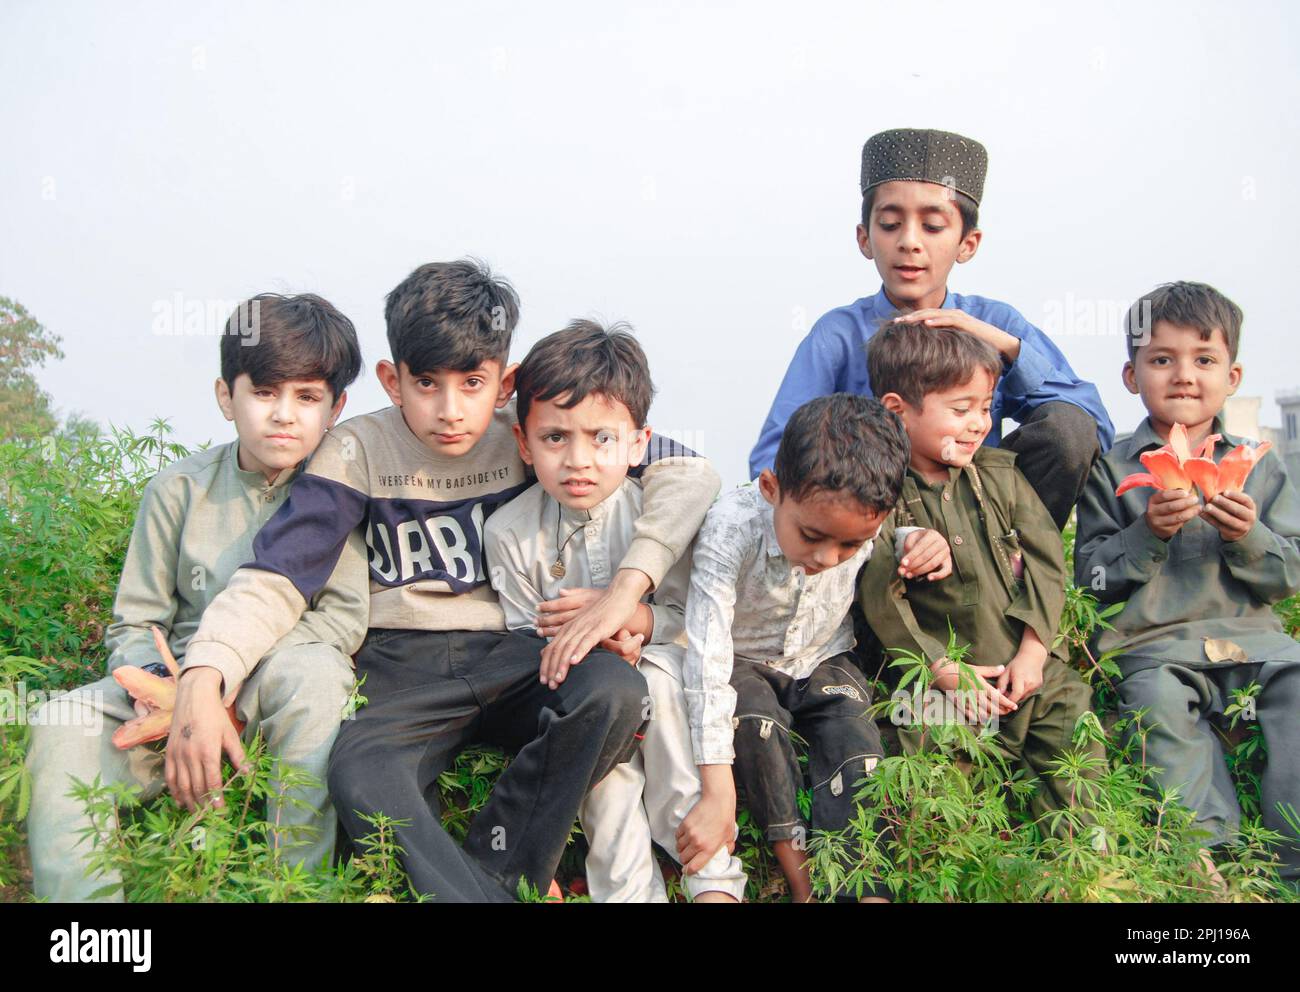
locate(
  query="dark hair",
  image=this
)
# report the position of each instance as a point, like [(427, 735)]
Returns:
[(1188, 304), (583, 359), (277, 338), (914, 360), (451, 315), (968, 208), (843, 444)]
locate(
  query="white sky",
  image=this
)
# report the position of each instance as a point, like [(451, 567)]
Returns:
[(690, 169)]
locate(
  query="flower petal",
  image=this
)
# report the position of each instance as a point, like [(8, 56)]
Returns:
[(143, 729), (1205, 474), (1206, 450), (1237, 463), (146, 687), (1178, 442), (1136, 481), (1166, 467)]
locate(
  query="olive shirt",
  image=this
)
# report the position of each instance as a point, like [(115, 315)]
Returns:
[(995, 525), (1178, 593)]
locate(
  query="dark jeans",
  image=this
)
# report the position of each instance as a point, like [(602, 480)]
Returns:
[(828, 710), (1055, 448), (430, 694)]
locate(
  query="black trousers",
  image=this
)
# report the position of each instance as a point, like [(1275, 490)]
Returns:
[(829, 711), (1055, 447), (430, 694)]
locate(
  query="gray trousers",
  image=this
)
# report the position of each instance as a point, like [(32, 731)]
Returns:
[(1183, 704), (295, 698)]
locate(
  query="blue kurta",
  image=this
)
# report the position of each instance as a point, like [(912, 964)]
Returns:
[(833, 359)]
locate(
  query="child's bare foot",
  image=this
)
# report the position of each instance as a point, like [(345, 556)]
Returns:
[(795, 870), (554, 893), (873, 899), (1211, 873), (715, 897)]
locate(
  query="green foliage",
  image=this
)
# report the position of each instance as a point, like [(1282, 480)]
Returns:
[(24, 344), (233, 853)]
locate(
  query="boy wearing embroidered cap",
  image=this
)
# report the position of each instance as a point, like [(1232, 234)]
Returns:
[(921, 191), (1197, 579)]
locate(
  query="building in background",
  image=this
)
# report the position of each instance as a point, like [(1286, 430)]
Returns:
[(1288, 438)]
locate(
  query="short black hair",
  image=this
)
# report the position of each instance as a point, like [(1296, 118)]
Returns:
[(277, 338), (914, 360), (1188, 304), (844, 445), (968, 208), (582, 359), (451, 315)]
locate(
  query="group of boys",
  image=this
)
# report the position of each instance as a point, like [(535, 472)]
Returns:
[(509, 556)]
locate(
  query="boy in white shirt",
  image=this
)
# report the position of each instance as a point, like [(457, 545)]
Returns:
[(769, 637), (583, 395)]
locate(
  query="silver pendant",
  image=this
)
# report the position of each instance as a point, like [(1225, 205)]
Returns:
[(558, 570)]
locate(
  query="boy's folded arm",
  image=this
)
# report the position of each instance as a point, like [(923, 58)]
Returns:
[(891, 618), (340, 613), (678, 491), (1042, 374), (710, 653), (1112, 553), (1041, 598), (146, 592), (294, 555), (1267, 559), (817, 369)]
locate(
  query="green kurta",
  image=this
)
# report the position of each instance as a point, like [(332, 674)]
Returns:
[(996, 526)]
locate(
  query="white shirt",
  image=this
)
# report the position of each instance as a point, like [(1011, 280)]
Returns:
[(747, 601)]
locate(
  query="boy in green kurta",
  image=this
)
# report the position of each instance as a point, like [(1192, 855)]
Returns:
[(286, 362), (1007, 587)]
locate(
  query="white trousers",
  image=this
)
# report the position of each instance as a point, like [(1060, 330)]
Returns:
[(646, 799)]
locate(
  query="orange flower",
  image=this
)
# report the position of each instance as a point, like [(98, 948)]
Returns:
[(1175, 467), (156, 693)]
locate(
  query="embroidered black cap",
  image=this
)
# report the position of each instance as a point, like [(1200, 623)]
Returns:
[(926, 156)]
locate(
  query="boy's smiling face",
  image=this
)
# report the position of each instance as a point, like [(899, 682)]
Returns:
[(1182, 378), (279, 425), (820, 530), (449, 412), (581, 455), (950, 425), (915, 239)]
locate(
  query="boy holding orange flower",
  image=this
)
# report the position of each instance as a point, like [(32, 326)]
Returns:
[(1198, 558)]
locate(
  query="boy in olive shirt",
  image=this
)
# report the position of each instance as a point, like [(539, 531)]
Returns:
[(285, 363), (1007, 587), (1197, 578)]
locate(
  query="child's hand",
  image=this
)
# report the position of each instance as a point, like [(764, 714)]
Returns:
[(1024, 675), (625, 644), (925, 552), (1168, 510), (553, 614), (602, 614), (1007, 345), (201, 730), (710, 825), (980, 701), (1232, 514)]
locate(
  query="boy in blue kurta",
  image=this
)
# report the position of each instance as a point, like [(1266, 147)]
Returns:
[(920, 216)]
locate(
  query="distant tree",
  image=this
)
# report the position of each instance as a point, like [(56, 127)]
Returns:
[(24, 345)]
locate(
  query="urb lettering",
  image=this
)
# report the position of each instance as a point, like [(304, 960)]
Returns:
[(433, 547)]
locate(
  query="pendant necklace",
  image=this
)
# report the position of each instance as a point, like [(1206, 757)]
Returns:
[(558, 569)]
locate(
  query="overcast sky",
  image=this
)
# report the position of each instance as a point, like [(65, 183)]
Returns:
[(689, 168)]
